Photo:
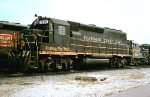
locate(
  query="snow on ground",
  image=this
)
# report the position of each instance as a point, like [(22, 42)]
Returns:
[(67, 86)]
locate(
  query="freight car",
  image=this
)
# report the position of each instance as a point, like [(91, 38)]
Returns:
[(52, 44), (9, 40)]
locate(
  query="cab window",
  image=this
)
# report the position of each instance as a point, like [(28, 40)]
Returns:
[(61, 30)]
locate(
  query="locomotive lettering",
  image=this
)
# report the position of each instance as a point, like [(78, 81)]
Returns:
[(5, 39), (94, 39), (57, 48)]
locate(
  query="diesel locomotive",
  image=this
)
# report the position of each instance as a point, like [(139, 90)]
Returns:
[(145, 50), (9, 41), (138, 56), (51, 44)]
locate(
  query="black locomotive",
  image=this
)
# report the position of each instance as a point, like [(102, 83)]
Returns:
[(57, 44)]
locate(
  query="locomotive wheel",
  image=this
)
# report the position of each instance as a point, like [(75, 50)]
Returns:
[(67, 65), (46, 67), (41, 66), (53, 66), (64, 66), (117, 65), (70, 65), (121, 64)]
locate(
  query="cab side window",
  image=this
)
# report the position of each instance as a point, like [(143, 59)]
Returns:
[(61, 30)]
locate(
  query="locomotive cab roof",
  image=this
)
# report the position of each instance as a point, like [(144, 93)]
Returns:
[(7, 25), (58, 21), (55, 21)]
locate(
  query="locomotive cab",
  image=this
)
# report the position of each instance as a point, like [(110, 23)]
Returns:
[(46, 39), (56, 31)]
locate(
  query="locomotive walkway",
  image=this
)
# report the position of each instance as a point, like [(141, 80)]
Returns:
[(143, 91)]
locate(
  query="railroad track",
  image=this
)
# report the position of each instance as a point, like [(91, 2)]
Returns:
[(6, 73)]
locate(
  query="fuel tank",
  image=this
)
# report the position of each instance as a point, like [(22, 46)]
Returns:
[(90, 61)]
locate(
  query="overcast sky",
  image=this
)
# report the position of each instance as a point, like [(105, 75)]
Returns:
[(130, 16)]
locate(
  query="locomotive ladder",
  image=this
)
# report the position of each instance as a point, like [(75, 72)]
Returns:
[(33, 49)]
